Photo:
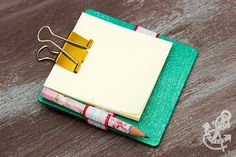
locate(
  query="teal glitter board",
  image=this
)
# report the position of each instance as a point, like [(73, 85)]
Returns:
[(165, 94)]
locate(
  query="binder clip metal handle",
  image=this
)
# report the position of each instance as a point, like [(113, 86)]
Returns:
[(73, 53), (57, 36), (45, 58)]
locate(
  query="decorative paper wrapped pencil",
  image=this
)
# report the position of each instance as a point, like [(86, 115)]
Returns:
[(94, 116)]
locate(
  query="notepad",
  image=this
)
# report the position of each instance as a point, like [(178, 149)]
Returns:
[(119, 72), (165, 94)]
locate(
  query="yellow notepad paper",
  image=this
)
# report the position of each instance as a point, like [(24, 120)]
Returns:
[(119, 72)]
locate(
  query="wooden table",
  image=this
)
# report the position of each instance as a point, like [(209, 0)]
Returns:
[(29, 128)]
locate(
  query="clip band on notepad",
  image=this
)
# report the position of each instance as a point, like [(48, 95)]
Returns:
[(73, 53)]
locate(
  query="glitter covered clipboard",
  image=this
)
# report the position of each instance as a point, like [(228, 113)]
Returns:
[(166, 92)]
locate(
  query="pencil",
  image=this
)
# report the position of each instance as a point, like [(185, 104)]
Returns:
[(94, 116)]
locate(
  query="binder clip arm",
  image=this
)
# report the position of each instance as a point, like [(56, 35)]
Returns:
[(59, 37), (73, 53), (45, 58), (53, 43)]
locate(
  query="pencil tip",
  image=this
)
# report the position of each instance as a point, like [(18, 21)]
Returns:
[(146, 136)]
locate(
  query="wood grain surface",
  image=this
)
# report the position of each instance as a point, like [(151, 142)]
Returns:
[(29, 128)]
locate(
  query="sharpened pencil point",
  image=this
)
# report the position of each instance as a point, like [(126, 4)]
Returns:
[(146, 136)]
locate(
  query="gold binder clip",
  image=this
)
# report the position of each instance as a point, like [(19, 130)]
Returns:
[(73, 53)]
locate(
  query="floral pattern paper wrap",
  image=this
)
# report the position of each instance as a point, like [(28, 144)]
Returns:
[(94, 116)]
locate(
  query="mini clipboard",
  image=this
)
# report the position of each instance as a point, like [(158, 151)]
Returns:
[(165, 94), (73, 53)]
